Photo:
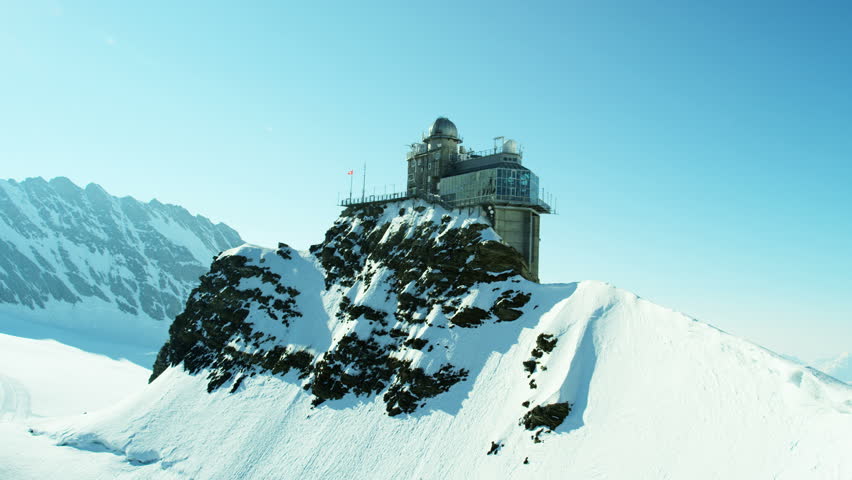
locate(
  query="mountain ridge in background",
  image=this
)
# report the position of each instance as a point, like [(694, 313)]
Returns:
[(839, 366), (78, 262)]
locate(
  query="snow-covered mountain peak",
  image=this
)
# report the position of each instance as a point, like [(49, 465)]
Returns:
[(409, 344)]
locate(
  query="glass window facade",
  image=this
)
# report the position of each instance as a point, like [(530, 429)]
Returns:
[(492, 185)]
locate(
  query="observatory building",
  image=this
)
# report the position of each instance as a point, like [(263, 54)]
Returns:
[(493, 180)]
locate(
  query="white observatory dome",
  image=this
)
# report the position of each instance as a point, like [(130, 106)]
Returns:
[(511, 146), (443, 128)]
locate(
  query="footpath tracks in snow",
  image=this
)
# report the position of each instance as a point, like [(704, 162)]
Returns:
[(15, 400)]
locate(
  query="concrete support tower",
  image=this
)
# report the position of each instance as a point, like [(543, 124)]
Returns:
[(519, 227)]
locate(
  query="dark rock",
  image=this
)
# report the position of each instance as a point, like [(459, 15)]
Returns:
[(470, 317), (507, 305), (495, 448), (546, 343), (548, 416), (412, 385), (417, 343)]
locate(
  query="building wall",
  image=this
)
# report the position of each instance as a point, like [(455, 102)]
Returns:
[(426, 169), (519, 227)]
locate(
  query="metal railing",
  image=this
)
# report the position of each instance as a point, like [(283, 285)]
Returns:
[(493, 151), (456, 157), (373, 198), (449, 204)]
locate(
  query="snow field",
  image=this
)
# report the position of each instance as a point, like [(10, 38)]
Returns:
[(655, 395)]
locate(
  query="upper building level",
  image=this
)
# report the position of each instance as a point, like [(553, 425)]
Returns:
[(440, 166)]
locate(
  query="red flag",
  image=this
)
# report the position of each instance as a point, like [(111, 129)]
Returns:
[(350, 172)]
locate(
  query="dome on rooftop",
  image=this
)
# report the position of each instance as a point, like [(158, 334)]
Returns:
[(511, 146), (444, 128)]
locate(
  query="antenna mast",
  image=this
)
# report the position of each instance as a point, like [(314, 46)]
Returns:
[(495, 142), (364, 182)]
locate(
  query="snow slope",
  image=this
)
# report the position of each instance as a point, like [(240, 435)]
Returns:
[(83, 261), (42, 378), (366, 391), (46, 378)]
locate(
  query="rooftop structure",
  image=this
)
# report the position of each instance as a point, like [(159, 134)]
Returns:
[(440, 166)]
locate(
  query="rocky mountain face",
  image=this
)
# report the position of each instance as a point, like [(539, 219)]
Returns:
[(387, 278), (410, 343), (67, 251)]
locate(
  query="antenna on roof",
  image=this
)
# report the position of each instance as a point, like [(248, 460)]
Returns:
[(364, 182), (495, 142)]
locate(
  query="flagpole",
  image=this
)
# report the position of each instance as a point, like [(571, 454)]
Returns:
[(351, 178)]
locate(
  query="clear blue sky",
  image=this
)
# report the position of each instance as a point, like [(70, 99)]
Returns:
[(700, 152)]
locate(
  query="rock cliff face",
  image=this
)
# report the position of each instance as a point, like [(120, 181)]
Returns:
[(65, 248), (390, 277)]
